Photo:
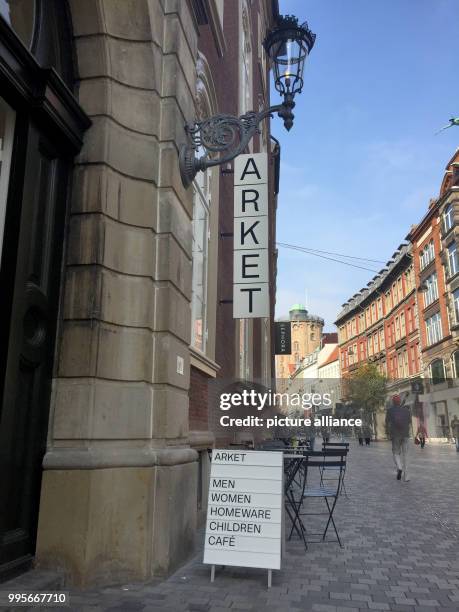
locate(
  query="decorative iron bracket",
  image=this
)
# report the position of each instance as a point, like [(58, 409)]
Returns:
[(223, 137)]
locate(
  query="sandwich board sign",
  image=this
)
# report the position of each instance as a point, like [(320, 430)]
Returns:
[(251, 237), (245, 510)]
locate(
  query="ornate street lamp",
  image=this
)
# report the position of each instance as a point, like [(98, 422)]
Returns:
[(223, 137)]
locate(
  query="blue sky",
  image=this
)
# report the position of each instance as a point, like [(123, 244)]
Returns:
[(362, 161)]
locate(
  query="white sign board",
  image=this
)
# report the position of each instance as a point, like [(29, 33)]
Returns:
[(251, 237), (244, 512)]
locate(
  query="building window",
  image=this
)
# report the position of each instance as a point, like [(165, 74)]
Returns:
[(245, 62), (409, 279), (201, 206), (427, 255), (448, 218), (456, 305), (455, 363), (453, 264), (296, 346), (433, 328), (313, 335), (7, 120), (431, 293), (402, 325), (437, 371)]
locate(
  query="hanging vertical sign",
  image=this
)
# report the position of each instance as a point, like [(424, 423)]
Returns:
[(282, 338), (251, 237)]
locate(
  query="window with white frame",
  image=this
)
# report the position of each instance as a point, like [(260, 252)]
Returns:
[(455, 363), (437, 371), (201, 209), (245, 61), (455, 296), (427, 255), (433, 329), (431, 292), (448, 218), (453, 263)]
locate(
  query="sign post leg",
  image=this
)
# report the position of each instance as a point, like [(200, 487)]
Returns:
[(212, 573), (270, 578)]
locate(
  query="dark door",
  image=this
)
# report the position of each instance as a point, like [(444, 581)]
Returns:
[(30, 273)]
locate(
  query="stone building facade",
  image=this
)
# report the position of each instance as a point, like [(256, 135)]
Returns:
[(115, 317)]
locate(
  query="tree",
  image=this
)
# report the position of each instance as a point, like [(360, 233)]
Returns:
[(366, 389)]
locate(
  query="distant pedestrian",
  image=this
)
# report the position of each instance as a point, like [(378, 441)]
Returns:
[(367, 434), (325, 434), (398, 420), (421, 434), (359, 435), (455, 430)]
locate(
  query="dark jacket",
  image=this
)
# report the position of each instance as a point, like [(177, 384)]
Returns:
[(398, 419)]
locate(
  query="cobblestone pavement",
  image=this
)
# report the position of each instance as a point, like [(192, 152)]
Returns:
[(401, 543)]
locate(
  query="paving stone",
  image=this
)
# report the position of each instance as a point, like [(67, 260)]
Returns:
[(399, 553)]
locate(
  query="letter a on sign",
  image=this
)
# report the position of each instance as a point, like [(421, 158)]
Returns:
[(251, 297)]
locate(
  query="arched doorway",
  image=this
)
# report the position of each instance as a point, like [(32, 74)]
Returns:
[(41, 127)]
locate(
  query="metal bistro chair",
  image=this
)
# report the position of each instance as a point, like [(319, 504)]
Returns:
[(330, 458), (333, 446)]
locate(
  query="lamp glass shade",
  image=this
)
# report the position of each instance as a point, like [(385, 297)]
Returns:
[(288, 46)]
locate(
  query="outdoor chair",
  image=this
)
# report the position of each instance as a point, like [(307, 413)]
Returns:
[(296, 497), (331, 470)]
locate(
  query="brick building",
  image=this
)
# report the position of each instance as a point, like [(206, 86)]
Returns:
[(380, 324), (437, 268), (115, 276)]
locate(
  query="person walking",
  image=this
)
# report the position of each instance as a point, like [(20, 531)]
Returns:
[(367, 434), (398, 420), (455, 430), (421, 434)]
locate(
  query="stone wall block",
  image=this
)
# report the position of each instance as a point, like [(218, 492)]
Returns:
[(174, 85), (172, 122), (72, 408), (176, 42), (170, 177), (82, 517), (127, 300), (156, 15), (137, 64), (187, 22), (174, 219), (122, 411), (167, 348), (129, 249), (127, 19), (174, 533), (87, 17), (131, 153), (135, 109), (170, 413), (172, 312), (172, 264), (86, 239), (78, 352), (98, 188), (125, 353), (82, 297)]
